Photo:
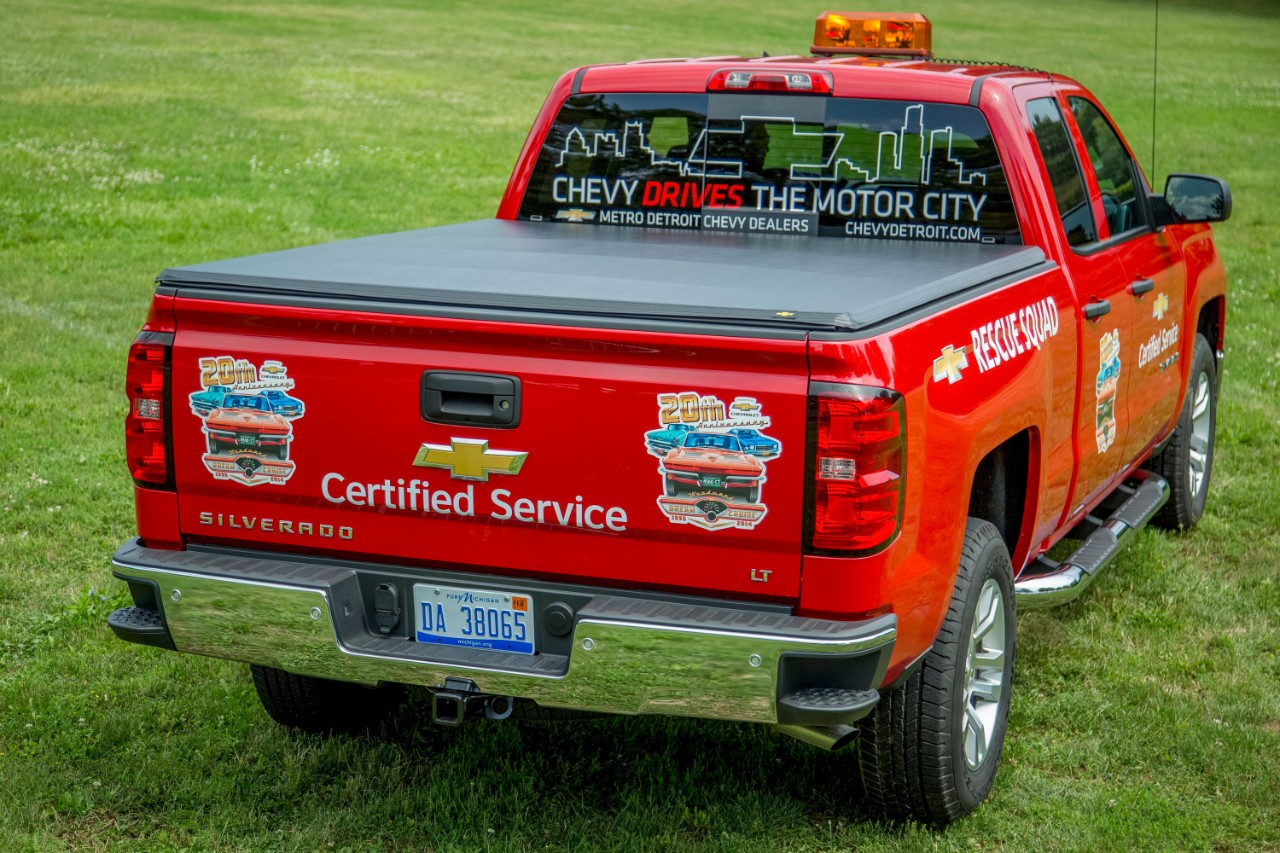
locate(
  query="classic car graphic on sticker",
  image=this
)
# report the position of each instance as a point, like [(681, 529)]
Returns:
[(203, 402), (755, 442), (247, 421), (668, 437), (245, 418), (710, 460), (283, 404), (713, 471), (1107, 384)]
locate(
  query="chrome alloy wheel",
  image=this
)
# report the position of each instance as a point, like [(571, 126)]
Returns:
[(1201, 422), (984, 674)]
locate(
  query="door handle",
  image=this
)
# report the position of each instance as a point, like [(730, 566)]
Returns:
[(471, 399), (1141, 286), (1096, 309)]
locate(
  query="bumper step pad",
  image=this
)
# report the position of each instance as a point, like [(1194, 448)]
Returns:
[(820, 706), (141, 625)]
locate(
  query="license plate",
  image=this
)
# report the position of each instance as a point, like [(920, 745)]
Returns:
[(474, 618), (247, 440), (711, 481)]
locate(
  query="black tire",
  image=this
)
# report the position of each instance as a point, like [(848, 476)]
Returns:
[(753, 495), (911, 748), (1175, 461), (213, 447), (320, 705), (671, 487)]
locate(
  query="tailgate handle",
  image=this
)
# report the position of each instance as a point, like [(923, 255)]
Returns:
[(471, 399)]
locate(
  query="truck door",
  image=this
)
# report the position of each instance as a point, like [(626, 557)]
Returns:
[(1157, 278), (1097, 272)]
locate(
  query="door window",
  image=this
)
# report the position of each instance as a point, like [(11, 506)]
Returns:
[(1116, 172), (1064, 171)]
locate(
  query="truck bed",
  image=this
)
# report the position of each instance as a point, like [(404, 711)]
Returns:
[(621, 274)]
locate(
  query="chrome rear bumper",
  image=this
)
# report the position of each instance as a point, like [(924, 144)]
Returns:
[(626, 655)]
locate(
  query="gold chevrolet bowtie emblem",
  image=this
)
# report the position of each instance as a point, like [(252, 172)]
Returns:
[(470, 459), (1158, 306), (948, 365), (575, 214)]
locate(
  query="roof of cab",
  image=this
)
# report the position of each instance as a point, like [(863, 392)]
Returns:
[(941, 80)]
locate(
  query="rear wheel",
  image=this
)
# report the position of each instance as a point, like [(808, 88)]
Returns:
[(930, 749), (672, 488), (1187, 459), (320, 705)]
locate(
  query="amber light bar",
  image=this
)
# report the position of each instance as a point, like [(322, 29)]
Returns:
[(873, 34)]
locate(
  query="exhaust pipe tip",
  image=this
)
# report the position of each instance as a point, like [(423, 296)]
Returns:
[(829, 738), (499, 707)]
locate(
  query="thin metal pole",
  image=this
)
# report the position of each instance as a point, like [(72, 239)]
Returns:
[(1155, 76)]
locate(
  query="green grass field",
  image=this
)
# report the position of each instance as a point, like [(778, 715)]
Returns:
[(141, 134)]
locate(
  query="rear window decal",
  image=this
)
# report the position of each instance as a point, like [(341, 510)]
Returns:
[(246, 414), (835, 167), (712, 458)]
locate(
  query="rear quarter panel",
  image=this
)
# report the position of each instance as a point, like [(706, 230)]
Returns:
[(953, 419)]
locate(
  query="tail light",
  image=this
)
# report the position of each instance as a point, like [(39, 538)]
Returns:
[(752, 80), (147, 438), (856, 463)]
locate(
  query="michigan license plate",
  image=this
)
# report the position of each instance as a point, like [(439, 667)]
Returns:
[(474, 618), (711, 482), (247, 440)]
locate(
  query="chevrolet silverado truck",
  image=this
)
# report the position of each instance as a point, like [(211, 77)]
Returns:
[(945, 290)]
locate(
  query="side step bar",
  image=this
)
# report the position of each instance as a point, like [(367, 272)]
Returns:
[(1046, 583)]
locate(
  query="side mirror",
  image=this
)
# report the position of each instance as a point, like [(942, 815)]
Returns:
[(1196, 198)]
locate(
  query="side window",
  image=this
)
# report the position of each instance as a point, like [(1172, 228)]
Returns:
[(1117, 176), (1064, 172)]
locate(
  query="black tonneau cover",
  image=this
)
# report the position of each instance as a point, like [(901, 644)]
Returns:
[(640, 273)]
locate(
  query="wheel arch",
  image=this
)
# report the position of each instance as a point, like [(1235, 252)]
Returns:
[(1212, 322), (1004, 490)]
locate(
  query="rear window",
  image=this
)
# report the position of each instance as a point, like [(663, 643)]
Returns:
[(808, 166)]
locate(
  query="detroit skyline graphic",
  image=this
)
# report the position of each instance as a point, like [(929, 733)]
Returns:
[(895, 151)]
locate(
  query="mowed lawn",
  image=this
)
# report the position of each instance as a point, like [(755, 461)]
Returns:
[(141, 134)]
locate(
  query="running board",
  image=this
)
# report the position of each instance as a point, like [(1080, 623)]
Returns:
[(1046, 583)]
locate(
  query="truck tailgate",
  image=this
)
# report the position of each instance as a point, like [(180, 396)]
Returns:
[(634, 458)]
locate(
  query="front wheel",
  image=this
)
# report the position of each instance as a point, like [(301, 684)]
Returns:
[(1187, 460), (930, 749), (320, 705)]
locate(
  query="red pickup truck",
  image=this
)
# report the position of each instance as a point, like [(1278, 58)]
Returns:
[(765, 397)]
